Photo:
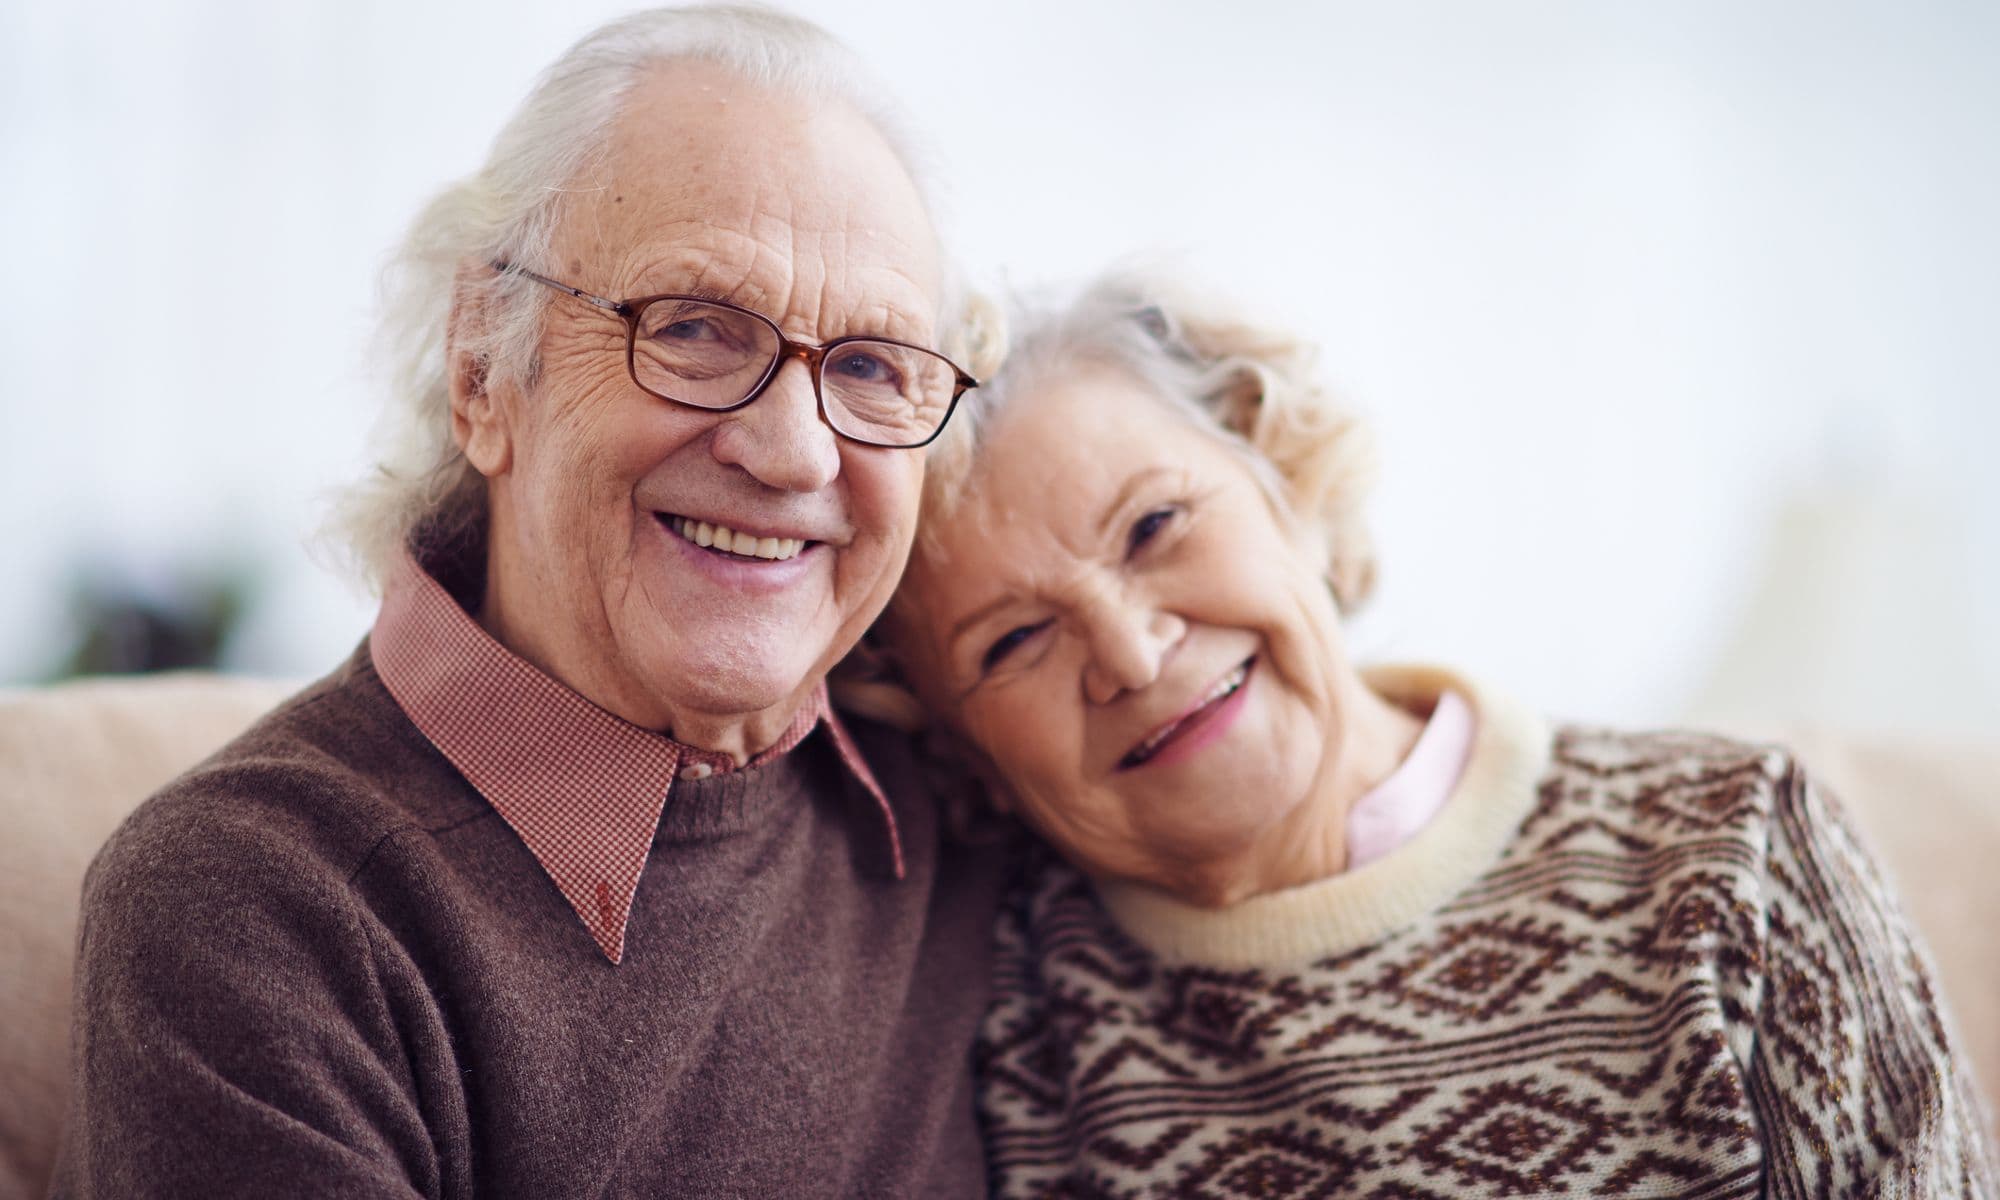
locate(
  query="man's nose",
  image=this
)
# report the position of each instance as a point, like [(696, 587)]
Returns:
[(779, 437), (1129, 641)]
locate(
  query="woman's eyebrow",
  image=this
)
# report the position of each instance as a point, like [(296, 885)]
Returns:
[(1124, 497), (1137, 482), (974, 617)]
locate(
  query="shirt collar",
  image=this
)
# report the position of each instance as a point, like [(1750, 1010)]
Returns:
[(582, 788), (1397, 809)]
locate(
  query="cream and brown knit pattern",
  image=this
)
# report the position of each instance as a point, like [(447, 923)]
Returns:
[(1681, 977)]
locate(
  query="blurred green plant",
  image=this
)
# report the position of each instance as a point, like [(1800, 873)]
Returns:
[(125, 627)]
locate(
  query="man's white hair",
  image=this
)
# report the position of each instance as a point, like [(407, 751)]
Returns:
[(422, 490)]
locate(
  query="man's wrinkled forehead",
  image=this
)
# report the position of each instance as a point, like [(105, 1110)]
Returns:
[(705, 170)]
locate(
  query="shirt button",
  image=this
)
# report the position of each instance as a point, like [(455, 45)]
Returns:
[(697, 771)]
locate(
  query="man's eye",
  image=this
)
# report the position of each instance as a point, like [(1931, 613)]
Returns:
[(691, 329), (1145, 528), (863, 366), (1007, 643)]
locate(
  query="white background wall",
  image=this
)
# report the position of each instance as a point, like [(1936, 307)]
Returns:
[(1678, 320)]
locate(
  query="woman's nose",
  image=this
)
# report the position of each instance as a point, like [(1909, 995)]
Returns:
[(1129, 644)]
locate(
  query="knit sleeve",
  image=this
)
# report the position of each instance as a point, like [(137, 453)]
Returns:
[(231, 1037), (1853, 1073)]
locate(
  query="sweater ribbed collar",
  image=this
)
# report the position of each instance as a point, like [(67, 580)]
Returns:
[(1357, 908)]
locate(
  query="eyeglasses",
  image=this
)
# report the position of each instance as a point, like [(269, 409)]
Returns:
[(717, 356)]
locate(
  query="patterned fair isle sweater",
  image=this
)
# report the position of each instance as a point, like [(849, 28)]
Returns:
[(1613, 965)]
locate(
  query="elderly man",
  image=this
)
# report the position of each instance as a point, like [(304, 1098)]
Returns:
[(569, 882)]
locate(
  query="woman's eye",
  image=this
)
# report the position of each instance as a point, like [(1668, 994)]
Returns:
[(1007, 643), (1145, 528)]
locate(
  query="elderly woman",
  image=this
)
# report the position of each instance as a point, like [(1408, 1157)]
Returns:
[(1321, 930)]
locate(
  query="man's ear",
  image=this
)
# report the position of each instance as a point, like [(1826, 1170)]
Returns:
[(479, 420)]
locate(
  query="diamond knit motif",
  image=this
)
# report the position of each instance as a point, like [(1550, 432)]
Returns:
[(1681, 977)]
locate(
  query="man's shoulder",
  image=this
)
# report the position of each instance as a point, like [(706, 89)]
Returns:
[(312, 788)]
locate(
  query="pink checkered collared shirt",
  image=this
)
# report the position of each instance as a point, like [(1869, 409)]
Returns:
[(582, 788)]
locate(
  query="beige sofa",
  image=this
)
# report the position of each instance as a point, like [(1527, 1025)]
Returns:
[(75, 758)]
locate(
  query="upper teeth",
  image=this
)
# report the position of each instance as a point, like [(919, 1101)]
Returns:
[(1223, 686), (721, 537), (1227, 684)]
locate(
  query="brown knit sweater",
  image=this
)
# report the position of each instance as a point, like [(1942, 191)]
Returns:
[(321, 965), (1623, 965)]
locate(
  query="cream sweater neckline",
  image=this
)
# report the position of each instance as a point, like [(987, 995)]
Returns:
[(1345, 912)]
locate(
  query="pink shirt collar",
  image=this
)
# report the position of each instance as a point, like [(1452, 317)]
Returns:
[(1395, 809), (582, 788)]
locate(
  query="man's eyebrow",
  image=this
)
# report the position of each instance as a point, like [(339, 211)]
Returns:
[(888, 317)]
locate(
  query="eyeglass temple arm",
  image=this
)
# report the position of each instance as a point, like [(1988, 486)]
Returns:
[(504, 267)]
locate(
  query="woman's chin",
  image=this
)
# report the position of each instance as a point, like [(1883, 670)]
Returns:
[(1218, 825)]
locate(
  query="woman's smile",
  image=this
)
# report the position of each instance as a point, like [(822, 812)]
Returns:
[(1187, 734)]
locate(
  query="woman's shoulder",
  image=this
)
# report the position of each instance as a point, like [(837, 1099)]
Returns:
[(1605, 751), (1038, 886), (1681, 805), (1670, 784), (1050, 914)]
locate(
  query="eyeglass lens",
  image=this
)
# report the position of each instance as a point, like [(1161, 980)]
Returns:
[(711, 356)]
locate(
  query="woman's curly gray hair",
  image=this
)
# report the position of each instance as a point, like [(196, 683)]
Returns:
[(1255, 389), (422, 491)]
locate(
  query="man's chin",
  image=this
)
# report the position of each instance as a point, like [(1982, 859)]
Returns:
[(720, 689)]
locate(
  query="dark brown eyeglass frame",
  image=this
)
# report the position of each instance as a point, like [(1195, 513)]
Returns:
[(814, 357)]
